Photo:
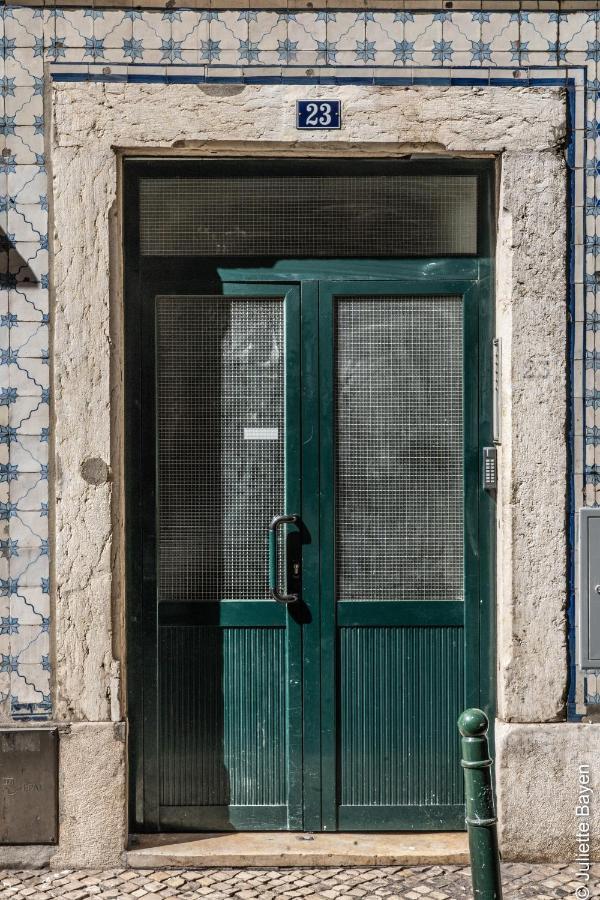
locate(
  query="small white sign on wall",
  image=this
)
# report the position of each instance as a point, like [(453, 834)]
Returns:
[(261, 434)]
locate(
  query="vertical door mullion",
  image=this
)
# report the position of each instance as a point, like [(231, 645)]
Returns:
[(310, 555), (293, 504), (329, 643), (149, 572)]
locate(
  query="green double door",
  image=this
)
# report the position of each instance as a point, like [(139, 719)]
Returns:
[(355, 405)]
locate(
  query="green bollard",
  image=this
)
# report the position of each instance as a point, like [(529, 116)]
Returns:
[(481, 818)]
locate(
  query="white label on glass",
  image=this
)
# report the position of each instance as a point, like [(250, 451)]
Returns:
[(261, 434)]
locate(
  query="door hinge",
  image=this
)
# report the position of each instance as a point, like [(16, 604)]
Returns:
[(497, 390)]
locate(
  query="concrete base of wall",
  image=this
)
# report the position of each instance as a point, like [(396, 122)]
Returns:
[(548, 786), (92, 803), (26, 857)]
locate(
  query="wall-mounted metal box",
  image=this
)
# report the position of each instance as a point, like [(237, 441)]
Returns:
[(28, 786), (588, 611)]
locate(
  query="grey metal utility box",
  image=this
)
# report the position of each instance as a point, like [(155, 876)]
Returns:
[(28, 786)]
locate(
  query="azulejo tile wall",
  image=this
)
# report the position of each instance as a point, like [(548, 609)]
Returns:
[(132, 43)]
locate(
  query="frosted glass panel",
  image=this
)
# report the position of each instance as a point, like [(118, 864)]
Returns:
[(379, 215), (399, 493), (220, 414)]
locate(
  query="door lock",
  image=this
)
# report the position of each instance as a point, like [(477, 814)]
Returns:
[(490, 468)]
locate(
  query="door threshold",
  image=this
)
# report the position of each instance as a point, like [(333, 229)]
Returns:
[(277, 848)]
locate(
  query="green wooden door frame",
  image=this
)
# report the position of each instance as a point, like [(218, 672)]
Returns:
[(320, 282)]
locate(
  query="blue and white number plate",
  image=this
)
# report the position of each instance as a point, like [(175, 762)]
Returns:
[(318, 114)]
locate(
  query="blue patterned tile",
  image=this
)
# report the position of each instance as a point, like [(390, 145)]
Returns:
[(306, 29), (303, 58), (27, 184), (28, 378), (26, 146), (152, 30), (45, 19), (22, 26), (29, 564), (74, 29), (29, 340), (462, 30), (29, 689), (502, 32), (424, 31), (28, 221), (187, 29), (29, 303), (112, 27), (270, 30), (9, 623), (574, 30), (25, 69), (29, 415), (26, 263), (24, 106), (4, 492), (29, 569), (345, 30), (29, 453), (384, 29), (228, 30), (540, 31), (29, 491), (30, 644), (4, 680), (29, 605)]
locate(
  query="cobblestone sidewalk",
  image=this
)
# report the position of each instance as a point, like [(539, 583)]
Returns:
[(393, 883)]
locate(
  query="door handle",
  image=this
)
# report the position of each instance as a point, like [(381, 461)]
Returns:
[(278, 522)]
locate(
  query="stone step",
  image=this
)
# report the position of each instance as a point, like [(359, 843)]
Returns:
[(266, 849)]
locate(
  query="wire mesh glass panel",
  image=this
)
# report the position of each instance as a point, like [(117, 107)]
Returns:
[(220, 420), (358, 216), (399, 492)]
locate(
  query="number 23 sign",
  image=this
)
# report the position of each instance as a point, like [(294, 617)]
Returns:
[(318, 114)]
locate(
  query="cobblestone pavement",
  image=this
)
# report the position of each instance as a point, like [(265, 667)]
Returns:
[(390, 882)]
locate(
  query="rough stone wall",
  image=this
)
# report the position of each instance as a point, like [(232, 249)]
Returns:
[(82, 390), (478, 119), (532, 546)]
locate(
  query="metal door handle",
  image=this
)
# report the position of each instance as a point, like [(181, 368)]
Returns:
[(277, 522)]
